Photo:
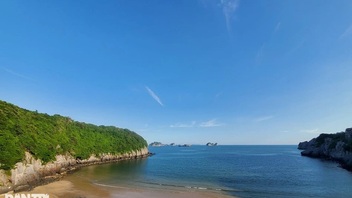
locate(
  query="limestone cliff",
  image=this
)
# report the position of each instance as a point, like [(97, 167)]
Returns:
[(31, 172), (336, 147)]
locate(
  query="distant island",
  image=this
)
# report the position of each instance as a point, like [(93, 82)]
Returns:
[(211, 144), (336, 147), (34, 146), (184, 145), (159, 144)]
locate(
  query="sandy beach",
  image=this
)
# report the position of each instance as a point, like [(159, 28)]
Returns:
[(75, 187)]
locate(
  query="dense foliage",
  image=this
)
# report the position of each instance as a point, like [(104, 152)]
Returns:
[(46, 136), (335, 138)]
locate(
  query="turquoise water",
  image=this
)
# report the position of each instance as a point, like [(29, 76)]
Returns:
[(243, 171)]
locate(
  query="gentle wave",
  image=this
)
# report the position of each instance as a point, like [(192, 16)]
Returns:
[(106, 185), (170, 185)]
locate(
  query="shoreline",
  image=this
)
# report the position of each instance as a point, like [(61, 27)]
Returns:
[(58, 170), (73, 186)]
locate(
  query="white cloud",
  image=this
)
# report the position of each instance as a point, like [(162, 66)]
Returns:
[(210, 123), (182, 125), (264, 118), (228, 8), (154, 96), (347, 32)]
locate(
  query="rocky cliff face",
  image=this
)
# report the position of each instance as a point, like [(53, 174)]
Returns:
[(31, 172), (336, 147)]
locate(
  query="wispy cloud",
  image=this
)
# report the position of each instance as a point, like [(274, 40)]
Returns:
[(210, 123), (277, 27), (312, 131), (218, 94), (295, 48), (347, 32), (260, 54), (182, 125), (263, 118), (16, 74), (229, 7), (154, 96)]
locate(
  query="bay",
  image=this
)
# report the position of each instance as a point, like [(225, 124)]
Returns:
[(241, 171)]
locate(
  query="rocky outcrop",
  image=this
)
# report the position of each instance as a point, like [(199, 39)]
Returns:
[(304, 145), (157, 144), (336, 147), (32, 172)]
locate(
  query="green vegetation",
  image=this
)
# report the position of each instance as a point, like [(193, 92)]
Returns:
[(46, 136), (335, 138)]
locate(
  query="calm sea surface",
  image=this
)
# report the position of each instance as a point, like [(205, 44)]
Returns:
[(243, 171)]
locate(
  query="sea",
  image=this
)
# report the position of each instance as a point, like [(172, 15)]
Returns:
[(239, 171)]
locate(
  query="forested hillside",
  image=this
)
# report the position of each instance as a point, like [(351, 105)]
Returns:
[(46, 136), (336, 147)]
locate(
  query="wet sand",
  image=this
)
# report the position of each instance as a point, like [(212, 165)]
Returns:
[(75, 187)]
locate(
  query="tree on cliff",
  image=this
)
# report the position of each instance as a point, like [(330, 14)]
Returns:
[(46, 136)]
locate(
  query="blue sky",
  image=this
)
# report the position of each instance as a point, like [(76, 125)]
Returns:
[(186, 71)]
